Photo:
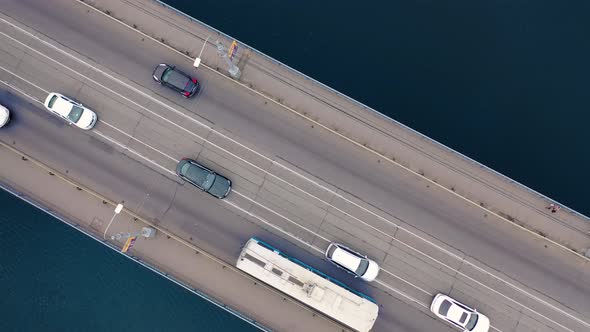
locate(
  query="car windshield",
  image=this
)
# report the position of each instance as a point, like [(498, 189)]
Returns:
[(331, 251), (444, 307), (177, 79), (75, 113), (51, 101), (362, 267), (166, 74), (472, 322)]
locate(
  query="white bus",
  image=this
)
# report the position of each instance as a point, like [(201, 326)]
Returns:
[(308, 285)]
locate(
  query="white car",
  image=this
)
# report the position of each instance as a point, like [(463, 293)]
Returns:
[(352, 262), (458, 314), (70, 110), (4, 116)]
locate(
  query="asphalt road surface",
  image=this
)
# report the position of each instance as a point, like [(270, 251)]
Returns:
[(296, 186)]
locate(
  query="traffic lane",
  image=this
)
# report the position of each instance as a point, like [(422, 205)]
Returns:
[(218, 108), (72, 25), (540, 276), (107, 170), (493, 245), (208, 221), (463, 226), (74, 34), (35, 131), (394, 314), (63, 74), (292, 144), (60, 124), (140, 204), (125, 52), (296, 311), (182, 206), (84, 158), (448, 218), (286, 137), (217, 105), (423, 275), (132, 120), (537, 315), (222, 229), (403, 317)]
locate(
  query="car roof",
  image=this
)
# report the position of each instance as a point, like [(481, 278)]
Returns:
[(196, 173), (62, 106), (455, 312), (346, 258), (177, 79)]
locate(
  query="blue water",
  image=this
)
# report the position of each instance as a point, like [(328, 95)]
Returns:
[(505, 82), (54, 278)]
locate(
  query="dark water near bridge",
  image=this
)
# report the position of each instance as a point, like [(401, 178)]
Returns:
[(506, 83), (503, 82)]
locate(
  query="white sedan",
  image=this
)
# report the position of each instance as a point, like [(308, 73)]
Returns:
[(70, 110), (352, 262), (458, 314), (4, 116)]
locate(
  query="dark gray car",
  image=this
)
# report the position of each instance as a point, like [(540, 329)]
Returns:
[(175, 79), (203, 178)]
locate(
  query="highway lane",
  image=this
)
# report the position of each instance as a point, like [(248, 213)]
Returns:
[(180, 207), (328, 159)]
